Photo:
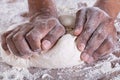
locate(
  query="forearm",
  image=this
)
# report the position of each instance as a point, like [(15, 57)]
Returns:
[(43, 7), (112, 7)]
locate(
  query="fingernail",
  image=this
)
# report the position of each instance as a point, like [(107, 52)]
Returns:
[(81, 47), (85, 57), (46, 44)]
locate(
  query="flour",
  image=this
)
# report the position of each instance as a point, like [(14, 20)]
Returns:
[(68, 21)]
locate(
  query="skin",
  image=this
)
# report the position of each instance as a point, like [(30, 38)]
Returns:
[(95, 31), (41, 33)]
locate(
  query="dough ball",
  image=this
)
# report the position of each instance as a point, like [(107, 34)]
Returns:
[(67, 20)]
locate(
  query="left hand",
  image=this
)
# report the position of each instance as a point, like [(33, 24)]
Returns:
[(96, 34), (27, 39)]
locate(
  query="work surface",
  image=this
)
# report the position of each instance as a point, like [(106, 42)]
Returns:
[(108, 68)]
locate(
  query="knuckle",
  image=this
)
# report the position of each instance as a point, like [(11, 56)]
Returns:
[(29, 36), (17, 37)]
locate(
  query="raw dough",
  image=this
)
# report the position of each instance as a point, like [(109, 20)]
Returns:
[(63, 54), (67, 20)]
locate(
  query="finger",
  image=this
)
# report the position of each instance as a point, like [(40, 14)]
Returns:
[(35, 36), (90, 26), (11, 46), (109, 44), (106, 48), (20, 42), (95, 41), (3, 40), (80, 20), (52, 37)]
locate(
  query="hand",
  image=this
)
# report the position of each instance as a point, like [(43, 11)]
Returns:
[(96, 33), (33, 37)]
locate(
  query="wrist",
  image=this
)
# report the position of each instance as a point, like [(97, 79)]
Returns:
[(43, 7), (111, 7), (41, 17)]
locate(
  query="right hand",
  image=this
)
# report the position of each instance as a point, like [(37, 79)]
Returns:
[(33, 37), (96, 34)]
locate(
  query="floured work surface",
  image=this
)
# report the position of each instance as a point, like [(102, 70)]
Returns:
[(106, 69)]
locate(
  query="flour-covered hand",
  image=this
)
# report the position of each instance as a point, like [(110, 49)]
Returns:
[(96, 34), (33, 37)]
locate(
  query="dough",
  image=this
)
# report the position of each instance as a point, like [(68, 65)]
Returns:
[(63, 54), (67, 20)]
